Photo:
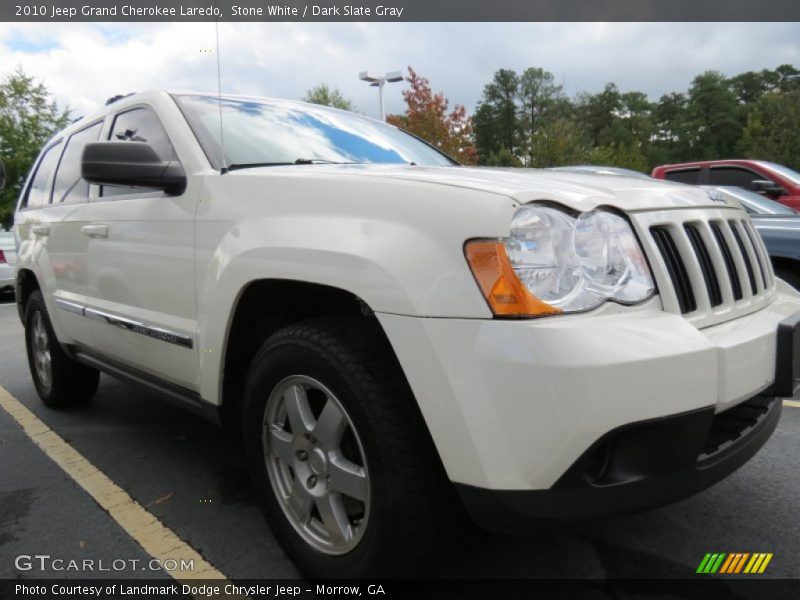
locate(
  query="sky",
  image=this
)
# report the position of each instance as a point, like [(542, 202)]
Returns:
[(83, 64)]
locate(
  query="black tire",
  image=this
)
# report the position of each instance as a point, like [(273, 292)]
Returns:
[(790, 276), (70, 382), (410, 497)]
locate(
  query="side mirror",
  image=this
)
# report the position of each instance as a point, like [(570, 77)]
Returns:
[(767, 187), (2, 175), (131, 164)]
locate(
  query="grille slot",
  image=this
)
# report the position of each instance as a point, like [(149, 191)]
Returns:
[(706, 265), (754, 242), (745, 256), (727, 257), (676, 268)]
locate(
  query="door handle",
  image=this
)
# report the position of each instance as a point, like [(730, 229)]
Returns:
[(41, 230), (95, 231)]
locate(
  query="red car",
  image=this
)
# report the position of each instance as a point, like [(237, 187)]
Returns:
[(769, 179)]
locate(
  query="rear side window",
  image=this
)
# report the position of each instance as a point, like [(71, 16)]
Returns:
[(735, 176), (41, 178), (691, 176), (139, 125), (69, 186)]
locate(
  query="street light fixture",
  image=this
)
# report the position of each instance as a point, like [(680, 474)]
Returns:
[(378, 81)]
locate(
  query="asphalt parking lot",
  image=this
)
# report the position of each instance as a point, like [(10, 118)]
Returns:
[(181, 470)]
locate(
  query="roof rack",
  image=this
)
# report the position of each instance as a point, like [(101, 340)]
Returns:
[(117, 97)]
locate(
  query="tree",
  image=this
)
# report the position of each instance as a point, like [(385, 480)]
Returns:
[(597, 113), (28, 118), (538, 96), (326, 96), (714, 117), (496, 122), (771, 131), (558, 142), (670, 135), (428, 117)]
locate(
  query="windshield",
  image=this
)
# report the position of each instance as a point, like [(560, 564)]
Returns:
[(756, 204), (258, 131), (6, 239), (790, 174)]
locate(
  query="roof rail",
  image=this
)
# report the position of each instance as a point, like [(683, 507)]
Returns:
[(117, 97)]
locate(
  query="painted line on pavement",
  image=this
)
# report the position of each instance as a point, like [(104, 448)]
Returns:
[(154, 537), (792, 403)]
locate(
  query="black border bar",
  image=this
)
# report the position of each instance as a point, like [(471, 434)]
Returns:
[(399, 10)]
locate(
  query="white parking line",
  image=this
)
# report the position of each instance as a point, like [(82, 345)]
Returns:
[(792, 403), (155, 538)]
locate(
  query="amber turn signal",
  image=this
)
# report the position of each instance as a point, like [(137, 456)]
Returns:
[(506, 294)]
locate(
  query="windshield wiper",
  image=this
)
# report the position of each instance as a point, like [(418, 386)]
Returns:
[(299, 161)]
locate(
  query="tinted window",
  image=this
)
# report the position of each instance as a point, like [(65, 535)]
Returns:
[(36, 192), (69, 186), (275, 132), (139, 125), (733, 176), (684, 175)]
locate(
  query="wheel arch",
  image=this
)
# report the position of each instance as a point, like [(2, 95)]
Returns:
[(26, 284), (263, 307)]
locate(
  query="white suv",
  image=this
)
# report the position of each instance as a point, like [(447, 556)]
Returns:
[(394, 335)]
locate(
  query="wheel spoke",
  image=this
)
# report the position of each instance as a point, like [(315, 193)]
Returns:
[(280, 444), (300, 502), (298, 410), (334, 517), (347, 478), (330, 426)]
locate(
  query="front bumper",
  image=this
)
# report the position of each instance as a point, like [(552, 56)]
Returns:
[(636, 467), (513, 405)]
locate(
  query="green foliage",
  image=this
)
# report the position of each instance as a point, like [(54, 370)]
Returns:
[(496, 120), (327, 96), (558, 141), (526, 119), (502, 158), (28, 118), (772, 128), (714, 118)]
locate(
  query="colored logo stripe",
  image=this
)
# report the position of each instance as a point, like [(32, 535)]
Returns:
[(758, 563), (721, 562), (711, 562)]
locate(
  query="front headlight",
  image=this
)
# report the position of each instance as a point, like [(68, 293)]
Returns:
[(563, 263)]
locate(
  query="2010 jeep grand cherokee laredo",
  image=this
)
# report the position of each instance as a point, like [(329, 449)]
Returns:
[(394, 335)]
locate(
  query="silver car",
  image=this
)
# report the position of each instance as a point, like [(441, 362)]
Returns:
[(8, 258)]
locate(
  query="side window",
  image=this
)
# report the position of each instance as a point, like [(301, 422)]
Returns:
[(139, 125), (69, 186), (733, 176), (36, 192), (684, 175)]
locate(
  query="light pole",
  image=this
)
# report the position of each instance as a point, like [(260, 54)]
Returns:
[(378, 82)]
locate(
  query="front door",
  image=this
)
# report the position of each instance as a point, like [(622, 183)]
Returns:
[(140, 297)]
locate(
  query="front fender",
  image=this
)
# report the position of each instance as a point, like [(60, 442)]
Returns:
[(399, 255)]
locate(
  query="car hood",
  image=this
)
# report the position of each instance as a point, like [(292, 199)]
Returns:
[(581, 191), (787, 224)]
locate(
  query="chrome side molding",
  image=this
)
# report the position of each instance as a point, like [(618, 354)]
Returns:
[(158, 333)]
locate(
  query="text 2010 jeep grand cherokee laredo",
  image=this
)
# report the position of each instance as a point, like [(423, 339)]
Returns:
[(395, 335)]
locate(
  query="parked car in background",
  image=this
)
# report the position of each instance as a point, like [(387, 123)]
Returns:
[(768, 179), (8, 257), (779, 227)]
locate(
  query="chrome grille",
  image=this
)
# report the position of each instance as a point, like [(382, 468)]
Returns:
[(708, 266)]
